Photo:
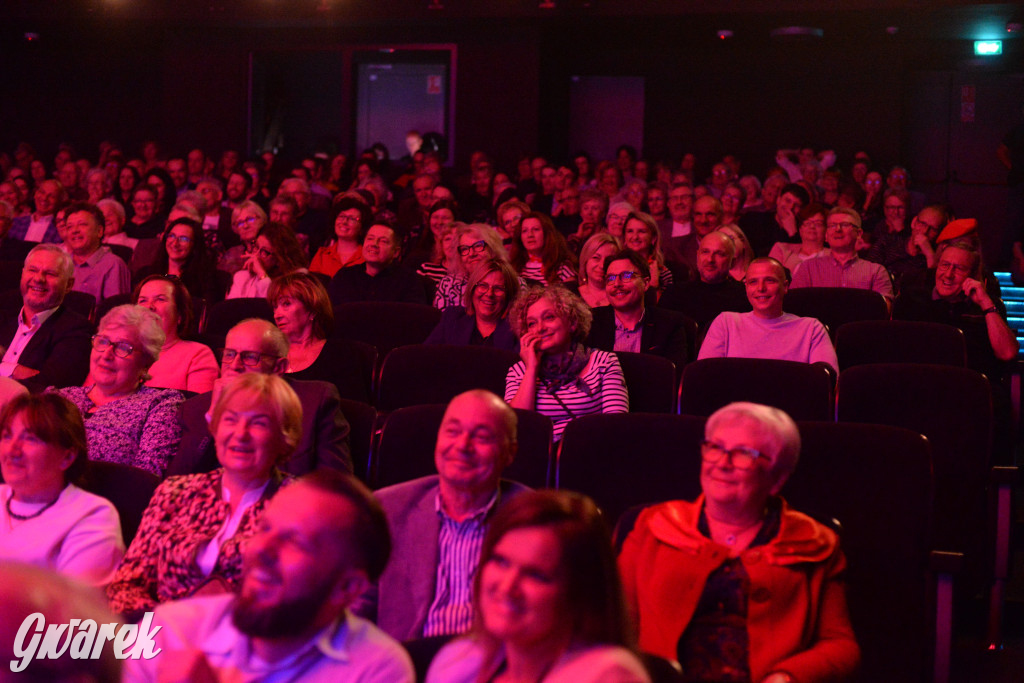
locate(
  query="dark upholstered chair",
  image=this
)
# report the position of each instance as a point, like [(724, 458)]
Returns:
[(127, 487), (836, 306), (224, 315), (385, 324), (651, 381), (899, 341), (362, 421)]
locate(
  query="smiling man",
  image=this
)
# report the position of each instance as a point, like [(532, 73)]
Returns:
[(97, 270), (768, 332), (714, 290), (438, 522), (321, 542), (380, 278)]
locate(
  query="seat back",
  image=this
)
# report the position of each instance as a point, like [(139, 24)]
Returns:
[(419, 374), (405, 449), (224, 315), (109, 304), (82, 303), (385, 324), (362, 422), (651, 381), (127, 487), (836, 306), (899, 341), (626, 459), (802, 390)]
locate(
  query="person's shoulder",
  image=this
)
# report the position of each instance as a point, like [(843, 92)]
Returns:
[(401, 495), (460, 661), (191, 618), (600, 664), (158, 395), (91, 502), (373, 649)]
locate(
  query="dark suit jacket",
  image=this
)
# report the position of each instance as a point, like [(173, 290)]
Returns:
[(59, 350), (400, 600), (664, 333), (457, 327), (324, 440)]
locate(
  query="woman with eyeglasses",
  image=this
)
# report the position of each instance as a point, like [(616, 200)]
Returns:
[(125, 421), (558, 376), (475, 244), (194, 532), (811, 226), (183, 365), (736, 586), (183, 255), (277, 252), (247, 219), (352, 218), (490, 293)]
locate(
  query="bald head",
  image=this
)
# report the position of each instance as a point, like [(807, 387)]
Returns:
[(476, 442), (254, 345)]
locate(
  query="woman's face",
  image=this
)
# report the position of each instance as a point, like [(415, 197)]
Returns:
[(873, 182), (158, 296), (112, 223), (30, 466), (727, 486), (638, 236), (522, 589), (363, 172), (266, 253), (812, 230), (532, 236), (590, 212), (635, 195), (160, 188), (38, 171), (248, 224), (489, 296), (96, 186), (509, 223), (144, 202), (595, 264), (439, 220), (247, 438), (582, 166), (476, 252), (656, 201), (112, 373), (731, 200), (179, 243), (292, 317), (543, 320), (347, 224), (609, 183), (126, 180)]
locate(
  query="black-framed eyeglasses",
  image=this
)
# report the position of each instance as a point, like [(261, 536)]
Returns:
[(475, 248), (122, 349), (250, 359), (741, 457), (625, 276), (845, 225)]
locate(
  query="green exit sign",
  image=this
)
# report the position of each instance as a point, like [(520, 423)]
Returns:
[(988, 48)]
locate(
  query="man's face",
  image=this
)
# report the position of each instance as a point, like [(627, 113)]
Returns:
[(301, 568), (565, 177), (713, 258), (47, 196), (282, 213), (570, 201), (955, 266), (625, 294), (841, 233), (707, 215), (295, 190), (766, 288), (788, 204), (927, 222), (196, 162), (380, 246), (212, 194), (656, 201), (236, 187), (84, 233), (473, 445), (719, 175), (176, 167), (68, 175), (536, 165), (548, 180), (680, 204), (247, 339), (42, 285)]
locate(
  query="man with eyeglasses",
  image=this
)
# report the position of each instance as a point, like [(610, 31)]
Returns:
[(46, 344), (98, 271), (438, 523), (842, 267), (767, 331), (909, 252), (681, 252), (380, 277), (628, 324), (257, 345)]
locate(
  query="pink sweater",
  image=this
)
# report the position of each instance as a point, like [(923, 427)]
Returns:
[(186, 366)]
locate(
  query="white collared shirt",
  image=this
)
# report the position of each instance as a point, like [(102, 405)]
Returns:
[(21, 339)]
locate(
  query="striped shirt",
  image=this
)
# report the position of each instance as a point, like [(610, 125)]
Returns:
[(458, 554), (603, 376), (435, 271), (534, 271)]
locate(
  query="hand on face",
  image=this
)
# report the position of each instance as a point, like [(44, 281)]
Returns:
[(975, 291)]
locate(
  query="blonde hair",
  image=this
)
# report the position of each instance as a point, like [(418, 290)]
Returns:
[(278, 394)]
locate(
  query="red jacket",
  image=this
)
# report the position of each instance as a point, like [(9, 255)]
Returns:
[(797, 620)]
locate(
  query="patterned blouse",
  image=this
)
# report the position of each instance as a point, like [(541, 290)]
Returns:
[(141, 429), (606, 392), (185, 513), (450, 291)]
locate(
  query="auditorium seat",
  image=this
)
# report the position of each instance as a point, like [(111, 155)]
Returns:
[(899, 341), (127, 487), (385, 324), (835, 306), (651, 381)]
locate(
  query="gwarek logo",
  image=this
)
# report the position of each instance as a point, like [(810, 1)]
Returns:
[(81, 639)]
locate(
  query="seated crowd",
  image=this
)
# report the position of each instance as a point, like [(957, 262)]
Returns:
[(263, 555)]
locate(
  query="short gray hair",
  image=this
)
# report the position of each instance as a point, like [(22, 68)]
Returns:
[(143, 322), (114, 205), (64, 262), (773, 425)]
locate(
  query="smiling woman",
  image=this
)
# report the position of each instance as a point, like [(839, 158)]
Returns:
[(483, 321), (196, 527)]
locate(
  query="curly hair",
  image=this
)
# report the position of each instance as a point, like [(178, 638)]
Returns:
[(567, 306)]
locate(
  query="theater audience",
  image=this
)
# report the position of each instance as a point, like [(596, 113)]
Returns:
[(46, 519), (483, 321), (183, 365), (764, 229), (595, 252), (628, 324), (46, 344), (509, 217), (559, 376), (695, 573), (303, 313), (97, 270), (127, 422), (554, 547), (767, 331), (438, 522), (183, 255), (615, 220), (351, 219), (195, 529), (277, 252), (320, 542), (247, 219), (475, 244), (811, 222), (681, 252), (432, 256), (714, 291), (541, 256), (380, 277)]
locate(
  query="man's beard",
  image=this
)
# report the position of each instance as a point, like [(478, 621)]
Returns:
[(288, 618)]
